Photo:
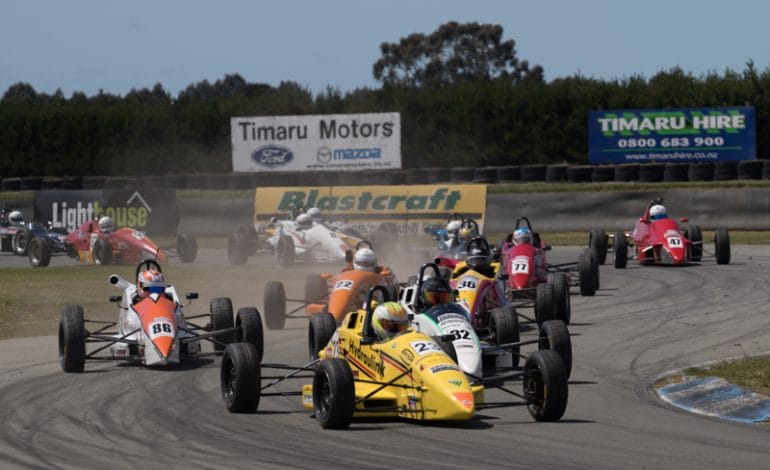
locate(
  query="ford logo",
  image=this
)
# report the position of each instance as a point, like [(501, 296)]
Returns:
[(272, 155)]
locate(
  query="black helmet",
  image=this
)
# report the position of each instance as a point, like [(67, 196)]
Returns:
[(478, 256), (434, 291)]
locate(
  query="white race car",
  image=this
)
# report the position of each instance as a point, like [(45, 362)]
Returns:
[(152, 330)]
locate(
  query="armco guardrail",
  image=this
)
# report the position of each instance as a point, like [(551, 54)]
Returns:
[(647, 173)]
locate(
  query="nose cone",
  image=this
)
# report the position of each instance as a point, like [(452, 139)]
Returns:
[(164, 344)]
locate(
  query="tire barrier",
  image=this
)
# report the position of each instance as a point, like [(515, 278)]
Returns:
[(416, 176), (750, 169), (439, 175), (675, 172), (556, 173), (725, 171), (462, 175), (11, 184), (486, 175), (530, 173), (579, 174), (52, 183), (627, 172), (508, 174), (651, 172), (700, 172), (602, 174)]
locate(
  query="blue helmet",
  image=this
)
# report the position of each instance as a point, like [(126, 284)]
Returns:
[(522, 235)]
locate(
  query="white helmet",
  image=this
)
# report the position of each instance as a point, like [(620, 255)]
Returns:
[(15, 217), (453, 226), (106, 224), (315, 214), (658, 212), (304, 221), (365, 260), (389, 319)]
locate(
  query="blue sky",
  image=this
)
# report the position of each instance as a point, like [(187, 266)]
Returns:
[(88, 45)]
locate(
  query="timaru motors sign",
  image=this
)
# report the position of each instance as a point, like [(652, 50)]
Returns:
[(672, 135), (348, 142)]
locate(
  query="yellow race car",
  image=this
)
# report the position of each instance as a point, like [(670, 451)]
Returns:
[(410, 376)]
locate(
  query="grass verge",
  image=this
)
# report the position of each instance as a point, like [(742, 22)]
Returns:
[(751, 373)]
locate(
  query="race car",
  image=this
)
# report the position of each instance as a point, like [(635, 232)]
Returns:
[(453, 237), (94, 244), (337, 294), (657, 239), (527, 274), (11, 224), (302, 238), (408, 375), (152, 329)]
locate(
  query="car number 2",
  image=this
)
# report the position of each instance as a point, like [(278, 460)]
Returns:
[(344, 284)]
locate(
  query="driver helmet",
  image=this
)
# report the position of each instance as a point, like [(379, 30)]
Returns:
[(106, 224), (365, 260), (658, 212), (465, 234), (453, 226), (478, 257), (389, 319), (304, 221), (522, 235), (435, 291), (315, 214), (15, 217), (150, 282)]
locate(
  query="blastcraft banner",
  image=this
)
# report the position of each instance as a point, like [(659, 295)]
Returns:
[(152, 211), (672, 135), (334, 142), (366, 207)]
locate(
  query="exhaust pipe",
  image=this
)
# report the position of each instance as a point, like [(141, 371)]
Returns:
[(118, 281)]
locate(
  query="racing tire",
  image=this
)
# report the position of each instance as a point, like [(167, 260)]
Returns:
[(598, 240), (333, 394), (20, 242), (693, 233), (316, 289), (102, 252), (504, 326), (554, 335), (275, 305), (285, 252), (237, 254), (72, 339), (561, 293), (545, 385), (240, 378), (722, 246), (221, 314), (588, 273), (251, 237), (39, 252), (620, 250), (319, 332), (186, 248), (545, 303), (248, 324)]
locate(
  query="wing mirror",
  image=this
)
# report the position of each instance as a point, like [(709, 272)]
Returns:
[(684, 219), (191, 295), (116, 298)]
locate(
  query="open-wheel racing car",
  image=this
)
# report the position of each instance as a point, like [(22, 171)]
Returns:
[(97, 243), (152, 329), (657, 239), (15, 234), (302, 237), (407, 375), (336, 294), (453, 237)]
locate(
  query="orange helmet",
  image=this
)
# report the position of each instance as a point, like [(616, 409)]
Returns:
[(150, 282)]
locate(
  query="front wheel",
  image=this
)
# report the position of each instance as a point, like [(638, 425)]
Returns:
[(620, 250), (72, 339), (186, 248), (102, 251), (236, 249), (722, 246), (545, 303), (320, 331), (275, 305), (20, 242), (598, 240), (221, 314), (504, 325), (240, 378), (545, 386), (588, 271), (39, 252), (333, 394), (554, 335), (248, 324), (285, 251)]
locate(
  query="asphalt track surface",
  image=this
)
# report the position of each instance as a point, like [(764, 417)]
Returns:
[(643, 322)]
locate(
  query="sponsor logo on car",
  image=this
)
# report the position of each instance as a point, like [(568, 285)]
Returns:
[(272, 155)]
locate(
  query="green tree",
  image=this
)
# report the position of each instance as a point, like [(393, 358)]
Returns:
[(454, 52)]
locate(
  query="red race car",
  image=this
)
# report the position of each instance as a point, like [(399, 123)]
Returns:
[(99, 243), (657, 239)]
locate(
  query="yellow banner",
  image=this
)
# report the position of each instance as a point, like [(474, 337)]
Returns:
[(409, 207)]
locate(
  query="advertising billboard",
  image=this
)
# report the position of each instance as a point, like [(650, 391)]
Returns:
[(334, 142), (671, 135)]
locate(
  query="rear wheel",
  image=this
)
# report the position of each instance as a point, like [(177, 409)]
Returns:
[(72, 339), (588, 272), (240, 377), (316, 289), (275, 305), (320, 331), (504, 325), (333, 394), (102, 251), (598, 241), (545, 303), (285, 251), (545, 386), (561, 294), (251, 237), (39, 252), (722, 246), (620, 250), (236, 249), (221, 314), (20, 242), (248, 323), (186, 248), (554, 335)]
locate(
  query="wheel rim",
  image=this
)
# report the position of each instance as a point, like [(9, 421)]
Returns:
[(534, 389), (324, 396), (228, 380), (34, 252)]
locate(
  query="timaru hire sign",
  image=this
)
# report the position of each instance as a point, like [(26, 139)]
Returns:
[(671, 135), (348, 142)]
